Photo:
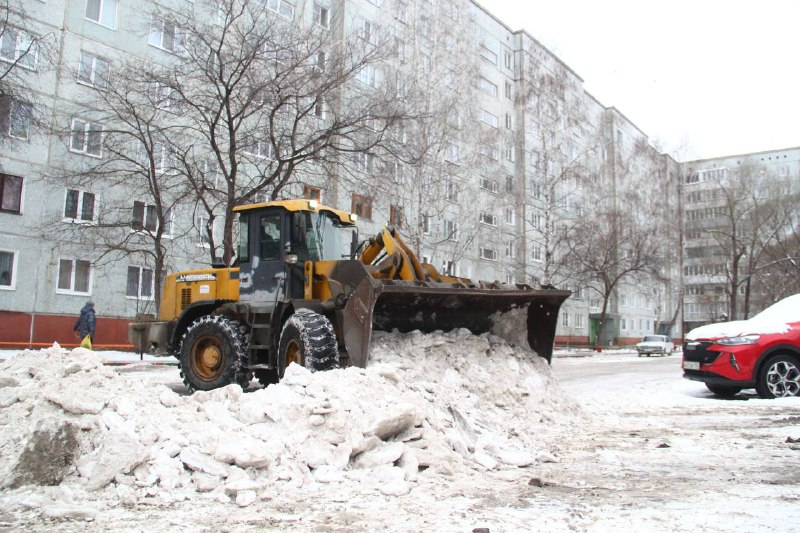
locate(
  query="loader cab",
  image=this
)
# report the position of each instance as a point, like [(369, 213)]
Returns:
[(276, 238)]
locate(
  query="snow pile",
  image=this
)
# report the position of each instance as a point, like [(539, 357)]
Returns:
[(428, 405)]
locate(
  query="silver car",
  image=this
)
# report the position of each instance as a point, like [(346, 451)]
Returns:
[(655, 344)]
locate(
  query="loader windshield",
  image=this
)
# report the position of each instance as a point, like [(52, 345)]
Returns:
[(327, 238)]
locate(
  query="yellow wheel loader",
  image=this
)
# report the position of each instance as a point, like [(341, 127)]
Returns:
[(305, 290)]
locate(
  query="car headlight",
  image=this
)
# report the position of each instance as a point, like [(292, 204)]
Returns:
[(738, 341)]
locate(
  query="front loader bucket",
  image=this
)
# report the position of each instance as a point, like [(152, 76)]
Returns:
[(429, 306)]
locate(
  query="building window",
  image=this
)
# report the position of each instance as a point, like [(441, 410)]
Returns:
[(8, 269), (10, 193), (508, 59), (565, 319), (140, 283), (489, 118), (258, 148), (451, 191), (281, 7), (16, 118), (578, 320), (165, 35), (509, 153), (488, 55), (536, 253), (450, 268), (18, 47), (93, 71), (489, 151), (489, 185), (511, 218), (450, 230), (487, 86), (322, 16), (509, 121), (86, 138), (362, 206), (103, 12), (488, 253), (396, 216), (488, 219), (397, 173), (511, 250), (451, 153), (80, 206), (144, 218), (312, 193), (367, 31), (364, 162), (426, 224), (366, 75), (509, 90), (74, 276), (201, 225)]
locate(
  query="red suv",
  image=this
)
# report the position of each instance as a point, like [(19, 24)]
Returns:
[(762, 352)]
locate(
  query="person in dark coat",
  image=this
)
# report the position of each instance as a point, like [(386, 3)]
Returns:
[(85, 323)]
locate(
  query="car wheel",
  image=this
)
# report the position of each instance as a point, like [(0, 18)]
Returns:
[(779, 377), (723, 392)]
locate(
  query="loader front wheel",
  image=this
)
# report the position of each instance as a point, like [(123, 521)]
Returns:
[(308, 339), (212, 354)]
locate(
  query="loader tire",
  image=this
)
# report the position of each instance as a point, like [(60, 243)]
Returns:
[(308, 339), (212, 354)]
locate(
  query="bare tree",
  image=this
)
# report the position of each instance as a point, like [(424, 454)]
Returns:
[(564, 154), (612, 248), (750, 219), (267, 100), (24, 52), (129, 124), (758, 218), (433, 162)]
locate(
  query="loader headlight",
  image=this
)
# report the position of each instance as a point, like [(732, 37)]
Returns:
[(739, 341)]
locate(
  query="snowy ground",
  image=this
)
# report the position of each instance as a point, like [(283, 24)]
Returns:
[(442, 432)]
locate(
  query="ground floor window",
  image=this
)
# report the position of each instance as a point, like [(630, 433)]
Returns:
[(8, 269), (140, 283)]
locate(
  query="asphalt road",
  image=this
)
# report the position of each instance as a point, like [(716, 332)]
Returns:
[(612, 371)]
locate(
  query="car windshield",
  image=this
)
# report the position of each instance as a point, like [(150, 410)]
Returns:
[(327, 238), (653, 338)]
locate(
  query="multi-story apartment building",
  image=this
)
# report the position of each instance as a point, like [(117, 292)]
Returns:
[(522, 157), (740, 213)]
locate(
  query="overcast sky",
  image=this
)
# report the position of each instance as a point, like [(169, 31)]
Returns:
[(703, 78)]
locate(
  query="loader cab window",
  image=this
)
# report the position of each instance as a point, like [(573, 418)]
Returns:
[(269, 236), (327, 239), (243, 254)]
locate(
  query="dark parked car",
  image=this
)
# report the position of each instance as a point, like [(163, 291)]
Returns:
[(762, 353)]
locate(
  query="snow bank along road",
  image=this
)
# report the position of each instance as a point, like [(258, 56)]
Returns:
[(443, 432)]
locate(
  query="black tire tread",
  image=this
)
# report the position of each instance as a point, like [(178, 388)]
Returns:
[(316, 337), (231, 333)]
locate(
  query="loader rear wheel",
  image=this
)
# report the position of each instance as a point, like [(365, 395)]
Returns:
[(308, 339), (212, 354)]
